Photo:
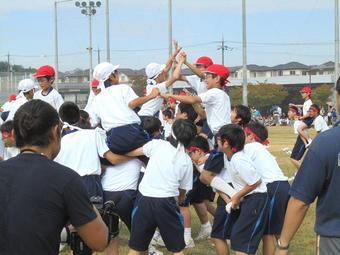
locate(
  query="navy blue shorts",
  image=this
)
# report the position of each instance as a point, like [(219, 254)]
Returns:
[(298, 150), (248, 229), (308, 121), (124, 201), (278, 199), (215, 162), (150, 213), (200, 193), (124, 139), (93, 185), (206, 130), (223, 221)]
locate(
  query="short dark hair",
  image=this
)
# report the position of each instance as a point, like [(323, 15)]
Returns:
[(84, 120), (316, 107), (185, 131), (189, 110), (151, 124), (200, 142), (234, 135), (259, 130), (33, 123), (242, 112), (7, 126), (337, 87), (69, 112), (168, 113)]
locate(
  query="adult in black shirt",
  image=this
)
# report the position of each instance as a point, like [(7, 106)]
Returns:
[(38, 196)]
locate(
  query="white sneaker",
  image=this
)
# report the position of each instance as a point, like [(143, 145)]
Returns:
[(189, 243), (204, 234), (157, 240), (154, 251)]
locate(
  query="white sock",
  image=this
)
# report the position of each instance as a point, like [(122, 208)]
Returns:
[(187, 233)]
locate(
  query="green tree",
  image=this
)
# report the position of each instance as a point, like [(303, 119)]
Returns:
[(320, 95), (262, 95)]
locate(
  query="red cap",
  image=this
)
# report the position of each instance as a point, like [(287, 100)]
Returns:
[(172, 100), (220, 70), (12, 97), (94, 83), (306, 90), (44, 71), (205, 61)]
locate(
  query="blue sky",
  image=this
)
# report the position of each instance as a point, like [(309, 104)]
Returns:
[(278, 31)]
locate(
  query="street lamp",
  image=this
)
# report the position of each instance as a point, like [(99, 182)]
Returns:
[(89, 9), (56, 53)]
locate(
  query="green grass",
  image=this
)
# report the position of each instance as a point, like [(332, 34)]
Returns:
[(305, 239)]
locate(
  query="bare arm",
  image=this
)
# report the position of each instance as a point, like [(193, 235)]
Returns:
[(115, 158), (195, 70), (181, 196), (176, 74), (296, 212), (200, 111), (135, 153), (206, 177), (237, 197), (171, 60), (95, 233), (142, 100), (184, 99)]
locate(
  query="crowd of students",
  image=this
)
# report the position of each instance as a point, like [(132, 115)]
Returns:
[(157, 154)]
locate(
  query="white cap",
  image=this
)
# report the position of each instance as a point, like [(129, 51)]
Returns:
[(152, 70), (26, 85), (103, 70)]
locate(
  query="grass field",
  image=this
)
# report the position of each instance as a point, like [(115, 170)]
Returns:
[(304, 241)]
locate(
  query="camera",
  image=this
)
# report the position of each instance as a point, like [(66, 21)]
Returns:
[(108, 213)]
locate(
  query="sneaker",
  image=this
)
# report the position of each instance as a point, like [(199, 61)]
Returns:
[(203, 234), (154, 251), (189, 243), (157, 240)]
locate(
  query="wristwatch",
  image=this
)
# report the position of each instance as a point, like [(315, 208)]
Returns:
[(280, 247)]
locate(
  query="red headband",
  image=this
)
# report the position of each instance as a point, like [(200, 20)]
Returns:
[(248, 131), (293, 110), (193, 149), (314, 109), (6, 134)]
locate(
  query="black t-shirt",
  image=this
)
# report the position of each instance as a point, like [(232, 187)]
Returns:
[(37, 198)]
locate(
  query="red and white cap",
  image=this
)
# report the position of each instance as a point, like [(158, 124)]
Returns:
[(26, 85), (94, 83), (44, 71), (204, 61), (12, 97), (152, 70), (307, 90), (103, 70), (220, 70)]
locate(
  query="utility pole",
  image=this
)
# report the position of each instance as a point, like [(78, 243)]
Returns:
[(244, 51), (170, 36), (107, 31), (336, 62), (98, 55), (223, 48)]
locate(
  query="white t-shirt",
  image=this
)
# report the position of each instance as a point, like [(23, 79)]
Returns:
[(81, 149), (199, 85), (10, 152), (167, 129), (242, 172), (53, 98), (16, 105), (297, 123), (164, 175), (264, 162), (306, 105), (217, 107), (8, 106), (151, 107), (123, 176), (320, 124), (110, 107)]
